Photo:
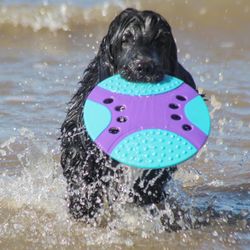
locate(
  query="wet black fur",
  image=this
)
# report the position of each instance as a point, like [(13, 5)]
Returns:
[(140, 46)]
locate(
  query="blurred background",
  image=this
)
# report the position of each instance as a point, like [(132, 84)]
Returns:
[(44, 49)]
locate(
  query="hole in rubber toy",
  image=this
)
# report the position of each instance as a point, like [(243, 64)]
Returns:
[(173, 106), (175, 117), (122, 119), (114, 130), (186, 127), (108, 100), (120, 108), (181, 98)]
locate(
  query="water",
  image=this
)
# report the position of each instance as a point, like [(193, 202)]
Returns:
[(44, 48)]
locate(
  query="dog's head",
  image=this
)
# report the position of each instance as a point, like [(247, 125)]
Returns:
[(139, 45)]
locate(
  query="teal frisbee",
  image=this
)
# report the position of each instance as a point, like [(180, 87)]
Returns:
[(147, 125)]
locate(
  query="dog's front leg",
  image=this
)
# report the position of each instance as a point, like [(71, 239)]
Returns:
[(87, 171), (149, 187)]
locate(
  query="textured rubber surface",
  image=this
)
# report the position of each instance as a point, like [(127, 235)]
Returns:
[(94, 127), (196, 111), (153, 148), (147, 125), (119, 85)]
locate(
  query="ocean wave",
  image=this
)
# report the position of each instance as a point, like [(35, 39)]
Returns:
[(53, 18), (63, 17)]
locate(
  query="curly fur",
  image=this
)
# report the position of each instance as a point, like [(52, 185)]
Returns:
[(91, 175)]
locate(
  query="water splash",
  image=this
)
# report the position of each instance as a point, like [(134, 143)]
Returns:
[(34, 209)]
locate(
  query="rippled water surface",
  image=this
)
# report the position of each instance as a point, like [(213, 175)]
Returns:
[(44, 48)]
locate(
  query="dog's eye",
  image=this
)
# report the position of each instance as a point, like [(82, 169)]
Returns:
[(163, 38), (127, 37)]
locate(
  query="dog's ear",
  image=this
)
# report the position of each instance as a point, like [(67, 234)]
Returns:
[(105, 59), (102, 65), (171, 57), (173, 54)]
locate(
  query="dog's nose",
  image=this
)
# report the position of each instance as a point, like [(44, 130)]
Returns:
[(145, 67)]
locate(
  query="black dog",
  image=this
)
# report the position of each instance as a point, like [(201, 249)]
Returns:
[(140, 46)]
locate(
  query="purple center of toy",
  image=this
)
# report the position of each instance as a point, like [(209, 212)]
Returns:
[(162, 111)]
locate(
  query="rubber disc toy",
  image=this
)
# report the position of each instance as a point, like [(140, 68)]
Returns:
[(147, 125)]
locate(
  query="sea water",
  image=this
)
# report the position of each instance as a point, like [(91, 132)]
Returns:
[(44, 48)]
